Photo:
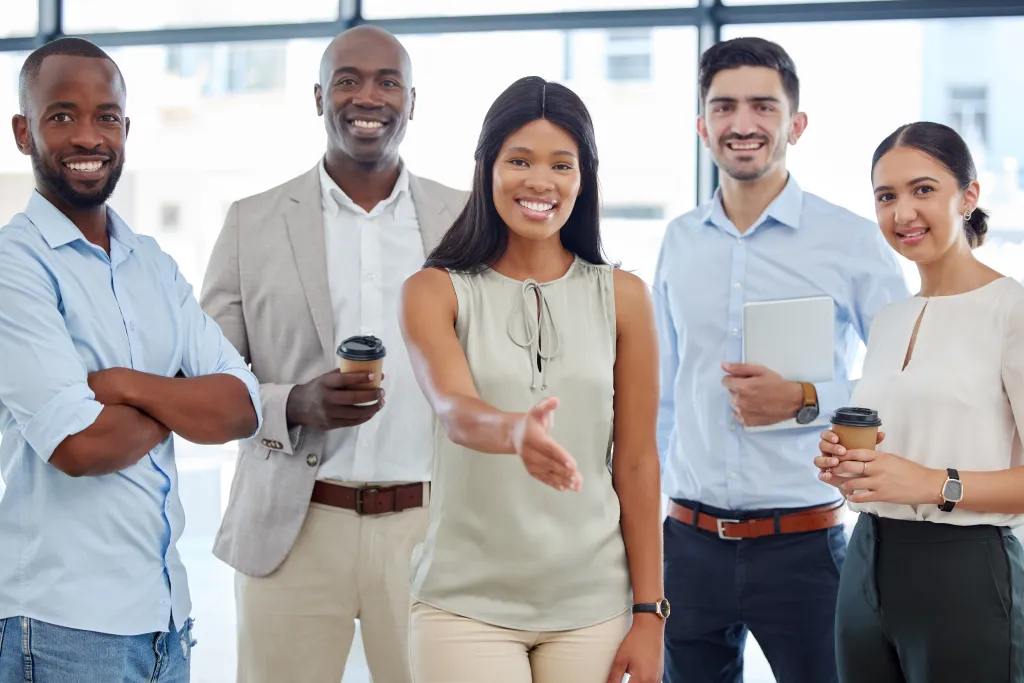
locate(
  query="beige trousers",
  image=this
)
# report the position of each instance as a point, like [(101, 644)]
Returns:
[(446, 648), (298, 623)]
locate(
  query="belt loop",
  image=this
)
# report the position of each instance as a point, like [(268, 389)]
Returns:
[(696, 514), (777, 516)]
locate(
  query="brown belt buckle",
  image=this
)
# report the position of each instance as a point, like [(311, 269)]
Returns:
[(359, 497), (721, 529)]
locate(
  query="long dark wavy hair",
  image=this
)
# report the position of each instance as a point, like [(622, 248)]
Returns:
[(479, 236)]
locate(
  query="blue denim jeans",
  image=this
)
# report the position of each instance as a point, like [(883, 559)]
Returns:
[(37, 652)]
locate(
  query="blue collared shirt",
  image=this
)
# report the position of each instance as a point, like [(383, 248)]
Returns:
[(801, 246), (92, 553)]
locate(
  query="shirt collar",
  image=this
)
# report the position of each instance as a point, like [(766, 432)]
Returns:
[(334, 198), (785, 209), (58, 230)]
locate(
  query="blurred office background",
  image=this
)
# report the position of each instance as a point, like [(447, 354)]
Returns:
[(220, 93)]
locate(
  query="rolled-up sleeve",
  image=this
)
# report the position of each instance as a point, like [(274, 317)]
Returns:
[(207, 351), (43, 381)]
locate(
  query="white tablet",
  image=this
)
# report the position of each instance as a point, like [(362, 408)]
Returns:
[(793, 337)]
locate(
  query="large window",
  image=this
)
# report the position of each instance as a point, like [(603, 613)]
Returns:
[(81, 16), (387, 9)]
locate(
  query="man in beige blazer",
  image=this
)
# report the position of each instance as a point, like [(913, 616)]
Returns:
[(329, 498)]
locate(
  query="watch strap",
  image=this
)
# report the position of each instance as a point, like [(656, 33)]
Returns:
[(810, 394), (948, 505)]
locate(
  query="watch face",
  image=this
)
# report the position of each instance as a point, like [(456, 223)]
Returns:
[(807, 415), (953, 490), (664, 609)]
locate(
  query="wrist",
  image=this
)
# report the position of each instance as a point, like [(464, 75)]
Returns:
[(126, 387), (293, 413), (933, 483), (796, 397), (513, 431)]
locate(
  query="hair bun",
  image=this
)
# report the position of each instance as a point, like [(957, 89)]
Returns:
[(976, 227)]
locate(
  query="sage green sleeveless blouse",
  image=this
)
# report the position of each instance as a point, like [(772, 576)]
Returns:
[(502, 547)]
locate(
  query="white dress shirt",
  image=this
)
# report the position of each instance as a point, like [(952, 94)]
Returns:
[(960, 401), (369, 256)]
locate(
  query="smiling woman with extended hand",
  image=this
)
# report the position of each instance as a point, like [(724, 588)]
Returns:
[(537, 533), (933, 585)]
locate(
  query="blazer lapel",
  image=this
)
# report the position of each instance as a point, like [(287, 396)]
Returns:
[(305, 221), (432, 213)]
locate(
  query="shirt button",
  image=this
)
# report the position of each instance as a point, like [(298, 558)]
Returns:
[(371, 276), (132, 325), (732, 426), (733, 475), (735, 332), (312, 459), (736, 285)]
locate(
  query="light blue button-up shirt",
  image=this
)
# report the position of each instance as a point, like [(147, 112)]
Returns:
[(801, 246), (92, 553)]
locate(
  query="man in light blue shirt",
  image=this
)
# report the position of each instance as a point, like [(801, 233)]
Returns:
[(106, 353), (754, 539)]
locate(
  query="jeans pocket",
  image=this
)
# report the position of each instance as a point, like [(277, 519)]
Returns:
[(187, 639), (3, 629)]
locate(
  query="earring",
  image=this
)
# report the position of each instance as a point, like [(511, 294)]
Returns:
[(967, 214)]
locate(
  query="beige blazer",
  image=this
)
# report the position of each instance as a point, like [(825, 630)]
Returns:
[(266, 286)]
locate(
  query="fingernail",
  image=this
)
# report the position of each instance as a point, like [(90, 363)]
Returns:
[(833, 461), (841, 451), (372, 377)]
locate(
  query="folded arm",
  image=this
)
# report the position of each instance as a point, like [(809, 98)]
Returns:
[(210, 409), (44, 382)]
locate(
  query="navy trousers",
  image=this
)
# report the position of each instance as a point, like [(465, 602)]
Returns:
[(781, 588)]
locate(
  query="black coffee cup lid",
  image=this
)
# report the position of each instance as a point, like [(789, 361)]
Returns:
[(362, 348), (856, 417)]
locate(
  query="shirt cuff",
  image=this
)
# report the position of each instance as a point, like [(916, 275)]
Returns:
[(831, 395), (253, 387), (71, 411)]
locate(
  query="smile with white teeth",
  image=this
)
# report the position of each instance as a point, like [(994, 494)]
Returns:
[(360, 123), (535, 206), (85, 166), (912, 235), (744, 146)]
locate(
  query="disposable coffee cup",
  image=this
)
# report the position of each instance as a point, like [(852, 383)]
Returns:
[(856, 428), (362, 354)]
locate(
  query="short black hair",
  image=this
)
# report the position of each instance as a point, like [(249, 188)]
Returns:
[(67, 47), (732, 54)]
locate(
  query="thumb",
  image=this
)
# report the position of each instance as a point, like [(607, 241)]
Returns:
[(544, 407), (880, 438)]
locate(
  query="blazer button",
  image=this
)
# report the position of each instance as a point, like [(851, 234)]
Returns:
[(312, 460), (266, 442)]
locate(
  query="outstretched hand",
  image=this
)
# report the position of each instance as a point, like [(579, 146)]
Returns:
[(544, 458)]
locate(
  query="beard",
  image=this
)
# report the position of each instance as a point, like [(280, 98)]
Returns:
[(746, 172), (52, 178)]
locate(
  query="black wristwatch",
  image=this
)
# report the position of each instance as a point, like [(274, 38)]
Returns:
[(952, 490), (808, 412), (661, 608)]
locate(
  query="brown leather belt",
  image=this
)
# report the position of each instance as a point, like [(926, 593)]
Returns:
[(814, 519), (369, 500)]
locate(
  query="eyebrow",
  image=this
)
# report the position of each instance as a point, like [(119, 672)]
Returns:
[(527, 150), (106, 106), (756, 98), (915, 181), (353, 70)]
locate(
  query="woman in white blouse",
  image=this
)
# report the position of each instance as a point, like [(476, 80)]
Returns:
[(933, 585)]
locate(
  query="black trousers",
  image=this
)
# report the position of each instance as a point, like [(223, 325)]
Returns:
[(781, 588), (925, 602)]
